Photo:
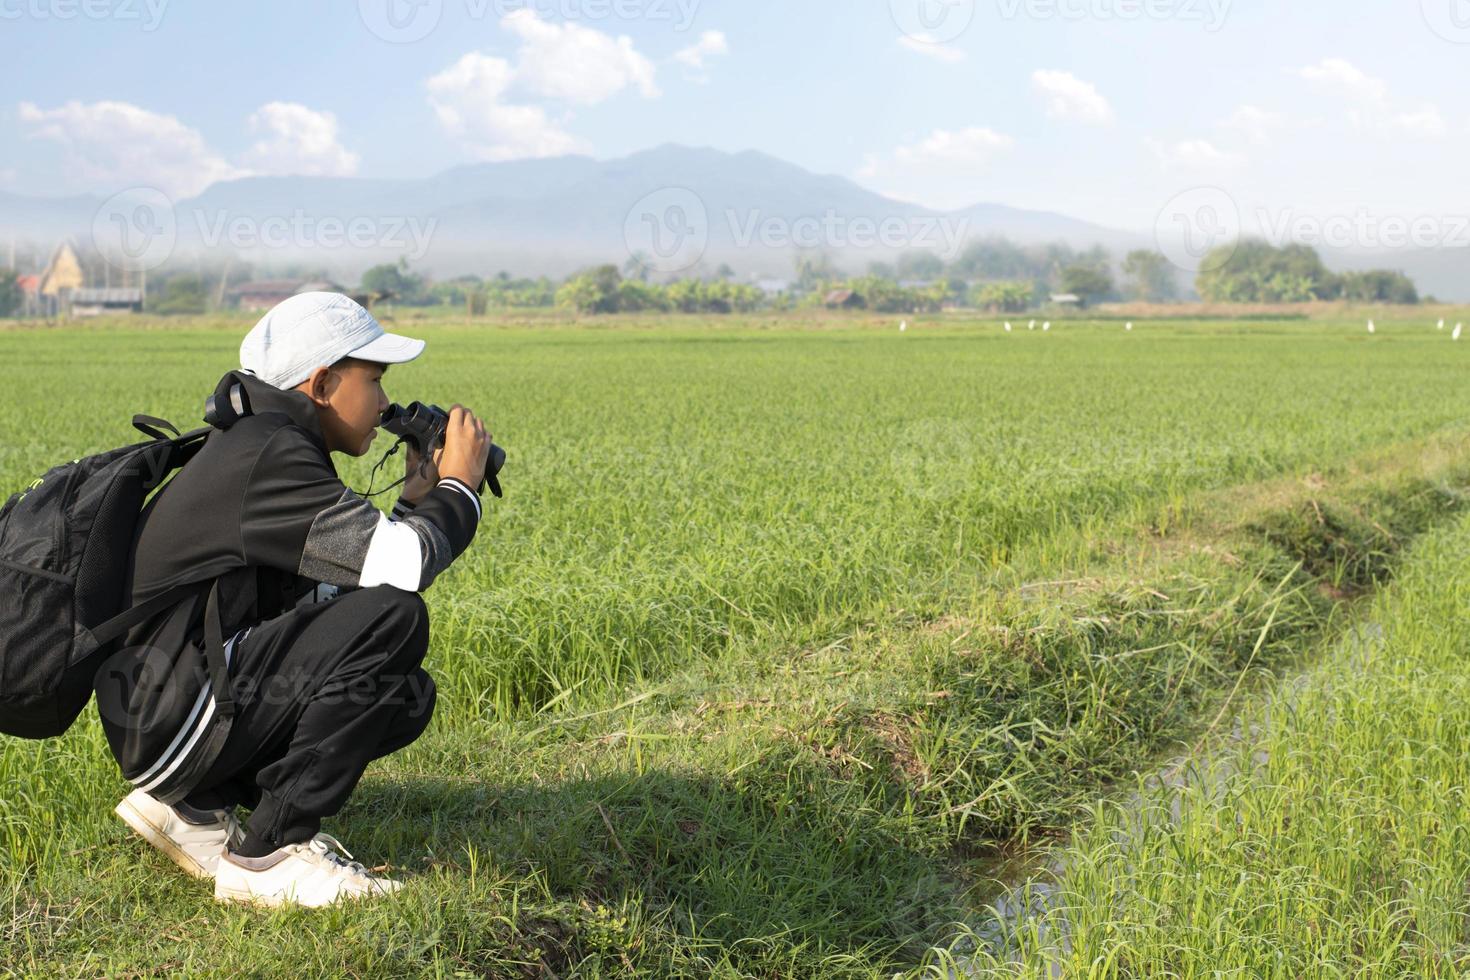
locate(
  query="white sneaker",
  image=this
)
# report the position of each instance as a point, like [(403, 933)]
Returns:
[(310, 874), (194, 847)]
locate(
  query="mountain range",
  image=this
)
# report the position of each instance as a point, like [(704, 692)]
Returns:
[(681, 208)]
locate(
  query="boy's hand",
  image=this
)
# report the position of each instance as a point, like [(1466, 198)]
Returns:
[(466, 448), (423, 473)]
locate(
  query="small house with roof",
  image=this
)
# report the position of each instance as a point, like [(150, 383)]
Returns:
[(96, 302)]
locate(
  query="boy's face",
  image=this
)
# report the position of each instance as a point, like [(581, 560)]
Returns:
[(350, 403)]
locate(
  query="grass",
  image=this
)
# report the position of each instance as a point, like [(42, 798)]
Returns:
[(785, 635), (1330, 838)]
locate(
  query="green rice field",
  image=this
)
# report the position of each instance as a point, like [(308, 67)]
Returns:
[(795, 644)]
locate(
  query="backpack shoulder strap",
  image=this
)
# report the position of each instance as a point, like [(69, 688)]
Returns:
[(151, 425), (214, 654), (118, 625), (214, 645)]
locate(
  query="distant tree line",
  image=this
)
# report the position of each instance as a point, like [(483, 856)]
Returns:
[(991, 274), (10, 294), (994, 274), (998, 274), (604, 290), (1255, 271)]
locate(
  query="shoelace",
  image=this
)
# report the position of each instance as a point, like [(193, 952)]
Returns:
[(322, 845), (234, 833)]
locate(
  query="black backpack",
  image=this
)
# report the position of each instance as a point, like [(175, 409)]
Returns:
[(65, 548)]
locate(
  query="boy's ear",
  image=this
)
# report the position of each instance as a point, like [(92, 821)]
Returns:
[(316, 386)]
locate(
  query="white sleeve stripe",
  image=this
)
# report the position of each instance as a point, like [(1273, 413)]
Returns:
[(395, 557), (468, 493)]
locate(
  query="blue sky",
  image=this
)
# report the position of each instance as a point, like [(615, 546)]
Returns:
[(1102, 109)]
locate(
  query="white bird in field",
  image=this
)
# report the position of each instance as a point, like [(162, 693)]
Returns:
[(1008, 328), (1129, 326), (1441, 324), (903, 325), (1046, 325), (1008, 324), (1371, 327), (1033, 325), (1458, 328)]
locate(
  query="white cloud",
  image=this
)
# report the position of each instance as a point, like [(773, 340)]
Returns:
[(696, 57), (1426, 122), (467, 99), (931, 48), (941, 170), (1069, 97), (496, 107), (298, 140), (1255, 123), (120, 145), (1370, 107), (117, 145), (1194, 156), (1340, 75), (943, 153), (576, 64), (954, 149)]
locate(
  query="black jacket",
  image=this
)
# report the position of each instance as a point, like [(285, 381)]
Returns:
[(260, 507)]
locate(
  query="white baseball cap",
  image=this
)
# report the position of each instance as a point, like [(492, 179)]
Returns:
[(312, 330)]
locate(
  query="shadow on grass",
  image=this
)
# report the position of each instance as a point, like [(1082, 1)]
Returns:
[(759, 862)]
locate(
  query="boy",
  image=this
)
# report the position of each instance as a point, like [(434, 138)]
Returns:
[(319, 601)]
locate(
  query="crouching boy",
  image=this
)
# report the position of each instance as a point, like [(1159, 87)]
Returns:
[(319, 597)]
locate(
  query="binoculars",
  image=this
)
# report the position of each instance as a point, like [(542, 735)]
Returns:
[(424, 425)]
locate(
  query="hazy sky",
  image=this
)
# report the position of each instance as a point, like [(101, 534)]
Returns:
[(1103, 109)]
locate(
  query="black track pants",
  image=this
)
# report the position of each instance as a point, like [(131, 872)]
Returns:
[(321, 691)]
